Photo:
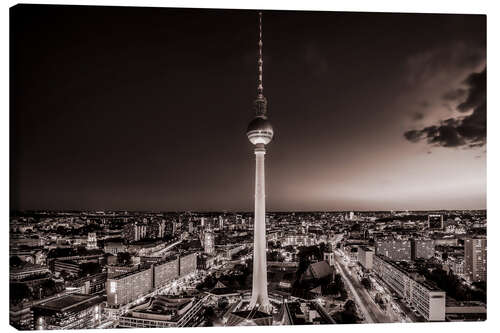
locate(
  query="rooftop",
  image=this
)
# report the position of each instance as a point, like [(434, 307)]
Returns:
[(73, 302)]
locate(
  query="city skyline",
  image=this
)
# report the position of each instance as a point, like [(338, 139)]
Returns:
[(142, 108), (114, 128)]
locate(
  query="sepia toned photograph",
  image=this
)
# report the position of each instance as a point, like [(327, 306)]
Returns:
[(184, 167)]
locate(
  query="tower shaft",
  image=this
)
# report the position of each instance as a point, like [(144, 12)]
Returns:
[(259, 287)]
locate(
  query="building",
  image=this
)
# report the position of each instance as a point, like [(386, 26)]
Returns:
[(205, 262), (351, 252), (329, 257), (465, 311), (296, 239), (90, 284), (231, 250), (116, 270), (260, 133), (394, 249), (128, 287), (92, 241), (365, 257), (134, 232), (303, 313), (420, 294), (34, 256), (31, 241), (208, 242), (435, 222), (187, 264), (456, 264), (165, 272), (475, 259), (114, 247), (75, 311), (28, 271), (165, 311), (317, 270), (422, 249), (69, 266)]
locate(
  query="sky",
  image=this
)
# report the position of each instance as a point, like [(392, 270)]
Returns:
[(146, 109)]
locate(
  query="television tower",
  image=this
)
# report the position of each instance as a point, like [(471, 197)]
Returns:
[(260, 133)]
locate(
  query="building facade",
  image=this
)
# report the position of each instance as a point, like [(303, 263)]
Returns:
[(394, 249), (475, 259), (129, 287), (365, 257), (426, 298), (69, 312), (422, 249)]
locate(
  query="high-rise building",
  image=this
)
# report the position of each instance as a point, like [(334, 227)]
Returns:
[(475, 258), (260, 133), (133, 232), (394, 249), (92, 241), (422, 248), (187, 264), (165, 272), (365, 257), (208, 243), (423, 295), (435, 222), (129, 287)]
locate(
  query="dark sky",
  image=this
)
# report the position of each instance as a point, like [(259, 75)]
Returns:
[(146, 109)]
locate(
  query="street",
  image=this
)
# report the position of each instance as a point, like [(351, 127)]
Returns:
[(371, 311)]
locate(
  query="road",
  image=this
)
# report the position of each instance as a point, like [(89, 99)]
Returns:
[(371, 311)]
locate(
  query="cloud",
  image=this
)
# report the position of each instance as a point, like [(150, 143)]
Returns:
[(418, 116), (454, 95), (477, 92), (424, 104), (464, 131), (442, 61)]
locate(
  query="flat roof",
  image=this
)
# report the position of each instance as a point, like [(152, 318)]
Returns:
[(73, 302), (431, 286)]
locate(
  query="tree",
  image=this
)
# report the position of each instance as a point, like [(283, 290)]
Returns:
[(19, 292), (380, 300), (65, 275), (223, 303), (124, 258), (303, 265), (348, 315), (15, 261), (339, 286), (274, 256), (48, 287), (322, 250), (367, 283)]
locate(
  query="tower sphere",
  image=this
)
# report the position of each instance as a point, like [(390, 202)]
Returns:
[(260, 131)]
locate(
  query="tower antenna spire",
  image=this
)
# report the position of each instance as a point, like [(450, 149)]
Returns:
[(260, 84)]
